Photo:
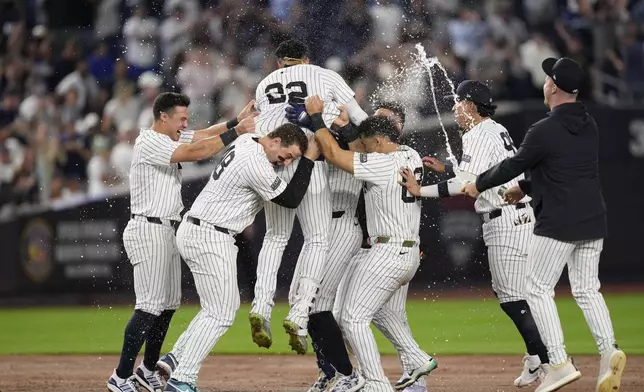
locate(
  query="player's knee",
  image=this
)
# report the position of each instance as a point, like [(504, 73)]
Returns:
[(276, 239), (155, 309), (585, 294)]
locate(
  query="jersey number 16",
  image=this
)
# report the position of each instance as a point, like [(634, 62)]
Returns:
[(406, 196)]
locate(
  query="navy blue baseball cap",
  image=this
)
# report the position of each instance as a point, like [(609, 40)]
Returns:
[(474, 91), (565, 72)]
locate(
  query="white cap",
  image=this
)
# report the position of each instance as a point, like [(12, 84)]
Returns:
[(150, 79)]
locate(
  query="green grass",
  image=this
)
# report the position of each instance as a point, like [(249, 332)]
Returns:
[(442, 327)]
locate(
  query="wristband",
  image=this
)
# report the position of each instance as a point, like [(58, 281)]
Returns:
[(349, 133), (232, 123), (317, 122), (229, 136), (443, 189)]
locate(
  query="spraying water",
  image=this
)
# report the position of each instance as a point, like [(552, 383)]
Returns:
[(428, 63)]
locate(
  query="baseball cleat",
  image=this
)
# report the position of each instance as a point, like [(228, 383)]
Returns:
[(352, 383), (410, 378), (297, 337), (558, 376), (611, 367), (166, 365), (531, 371), (260, 330), (179, 386), (117, 384), (152, 382), (322, 383)]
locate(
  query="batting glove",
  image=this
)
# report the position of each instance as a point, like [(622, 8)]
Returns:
[(296, 114)]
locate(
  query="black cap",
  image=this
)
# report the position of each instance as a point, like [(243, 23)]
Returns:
[(565, 72), (474, 91)]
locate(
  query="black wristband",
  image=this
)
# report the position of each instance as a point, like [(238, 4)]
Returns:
[(349, 133), (229, 136), (443, 189), (317, 122), (449, 169), (232, 123)]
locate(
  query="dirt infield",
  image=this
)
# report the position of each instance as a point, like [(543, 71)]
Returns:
[(287, 373)]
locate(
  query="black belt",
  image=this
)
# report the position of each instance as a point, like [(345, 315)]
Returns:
[(337, 214), (158, 221), (497, 213), (197, 221)]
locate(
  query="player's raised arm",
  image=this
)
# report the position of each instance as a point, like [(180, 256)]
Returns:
[(329, 147), (204, 148), (451, 187), (243, 123)]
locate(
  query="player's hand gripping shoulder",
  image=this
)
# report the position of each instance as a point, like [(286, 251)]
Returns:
[(296, 114), (248, 111), (513, 195), (409, 181)]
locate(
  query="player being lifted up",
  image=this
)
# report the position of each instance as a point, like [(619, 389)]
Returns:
[(507, 229), (241, 183), (393, 219), (345, 242), (148, 238), (296, 79)]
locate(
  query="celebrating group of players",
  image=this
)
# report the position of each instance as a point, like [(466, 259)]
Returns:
[(305, 147)]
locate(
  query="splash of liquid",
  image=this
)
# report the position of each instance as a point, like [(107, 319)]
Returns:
[(428, 63)]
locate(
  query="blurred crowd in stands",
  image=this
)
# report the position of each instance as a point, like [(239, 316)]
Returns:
[(77, 77)]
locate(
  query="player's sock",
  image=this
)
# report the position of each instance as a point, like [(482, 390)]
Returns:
[(520, 313), (135, 332), (155, 338), (326, 334), (317, 332)]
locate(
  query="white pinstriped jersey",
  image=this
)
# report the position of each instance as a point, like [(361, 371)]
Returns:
[(485, 145), (233, 195), (295, 83), (391, 210), (345, 190), (155, 183)]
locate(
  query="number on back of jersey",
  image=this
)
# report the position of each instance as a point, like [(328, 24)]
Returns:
[(277, 93), (225, 161)]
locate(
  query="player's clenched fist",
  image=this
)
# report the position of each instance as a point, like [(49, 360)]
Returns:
[(513, 195), (312, 151), (247, 125), (314, 104)]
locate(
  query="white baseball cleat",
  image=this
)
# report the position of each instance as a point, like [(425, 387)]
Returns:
[(409, 378), (117, 384), (151, 381), (351, 383), (611, 367), (322, 383), (531, 371), (558, 376), (415, 388)]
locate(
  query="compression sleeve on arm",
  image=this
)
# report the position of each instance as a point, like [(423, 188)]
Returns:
[(451, 187), (356, 114), (296, 188)]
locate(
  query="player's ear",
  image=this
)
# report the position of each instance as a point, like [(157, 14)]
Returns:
[(307, 60)]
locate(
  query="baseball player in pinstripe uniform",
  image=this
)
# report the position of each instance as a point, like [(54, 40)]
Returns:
[(346, 241), (393, 216), (506, 229), (149, 240), (234, 194), (290, 84), (570, 222)]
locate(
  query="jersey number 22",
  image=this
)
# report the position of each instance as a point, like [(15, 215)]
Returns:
[(297, 92)]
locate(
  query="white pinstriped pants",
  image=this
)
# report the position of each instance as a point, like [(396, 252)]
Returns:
[(375, 289), (548, 257), (212, 259), (152, 250), (314, 214), (507, 247), (345, 243)]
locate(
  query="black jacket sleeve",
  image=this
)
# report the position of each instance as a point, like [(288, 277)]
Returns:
[(296, 188), (526, 186), (531, 151)]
